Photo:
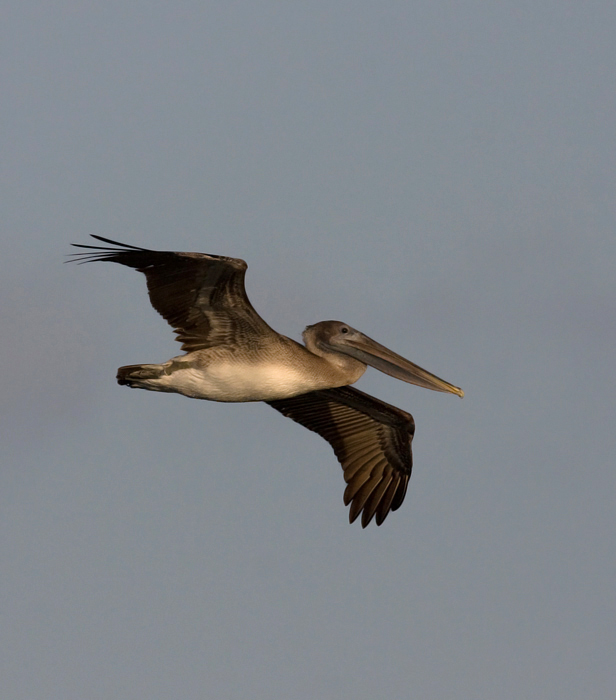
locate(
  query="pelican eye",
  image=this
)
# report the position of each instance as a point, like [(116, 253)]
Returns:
[(344, 329)]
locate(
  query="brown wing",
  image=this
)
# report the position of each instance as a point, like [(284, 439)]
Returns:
[(201, 296), (371, 439)]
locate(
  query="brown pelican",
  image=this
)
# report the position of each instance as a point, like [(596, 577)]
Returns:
[(231, 354)]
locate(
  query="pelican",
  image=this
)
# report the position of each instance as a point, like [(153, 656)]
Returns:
[(231, 354)]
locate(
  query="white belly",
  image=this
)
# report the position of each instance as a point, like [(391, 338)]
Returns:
[(238, 382)]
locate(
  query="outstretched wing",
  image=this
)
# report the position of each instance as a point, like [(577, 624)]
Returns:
[(201, 296), (371, 439)]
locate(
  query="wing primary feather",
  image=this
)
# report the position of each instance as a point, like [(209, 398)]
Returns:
[(361, 497), (367, 471), (385, 505), (355, 485), (400, 492), (374, 500)]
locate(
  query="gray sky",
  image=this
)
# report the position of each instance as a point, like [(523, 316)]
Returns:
[(440, 175)]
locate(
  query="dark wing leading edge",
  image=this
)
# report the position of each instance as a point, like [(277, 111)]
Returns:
[(371, 439), (201, 296)]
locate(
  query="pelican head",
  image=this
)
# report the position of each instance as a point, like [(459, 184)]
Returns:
[(337, 337)]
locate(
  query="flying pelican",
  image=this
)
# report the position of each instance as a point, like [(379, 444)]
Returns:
[(231, 354)]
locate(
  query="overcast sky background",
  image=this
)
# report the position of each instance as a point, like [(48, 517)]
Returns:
[(440, 175)]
